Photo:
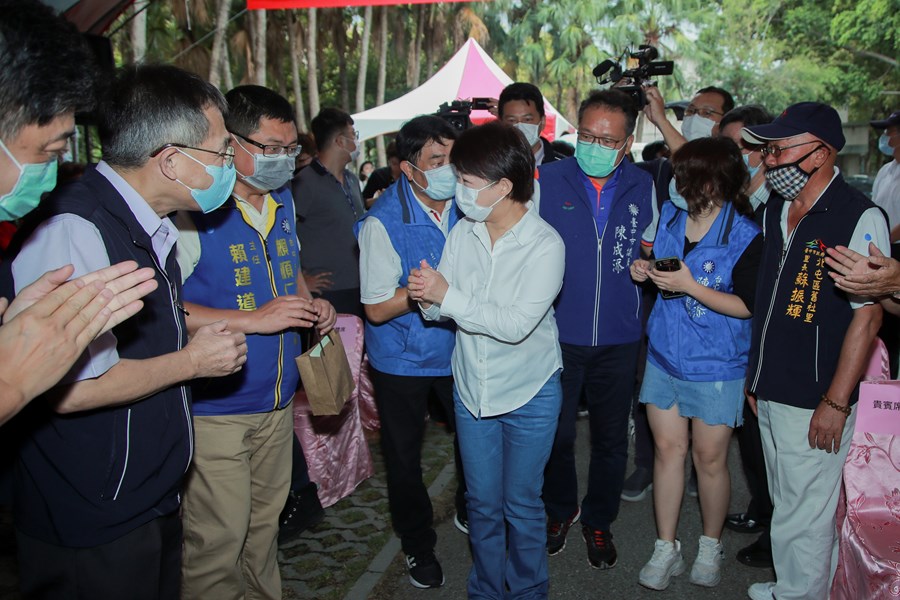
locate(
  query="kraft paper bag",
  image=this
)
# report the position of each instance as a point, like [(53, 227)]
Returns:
[(326, 375)]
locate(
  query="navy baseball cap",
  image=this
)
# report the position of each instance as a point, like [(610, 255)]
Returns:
[(814, 118), (894, 119)]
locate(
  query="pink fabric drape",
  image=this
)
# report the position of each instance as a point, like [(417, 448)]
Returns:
[(868, 517), (335, 446)]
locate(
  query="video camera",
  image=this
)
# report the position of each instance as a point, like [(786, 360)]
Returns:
[(457, 112), (640, 66)]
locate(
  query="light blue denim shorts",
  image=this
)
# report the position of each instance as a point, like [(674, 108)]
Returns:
[(713, 402)]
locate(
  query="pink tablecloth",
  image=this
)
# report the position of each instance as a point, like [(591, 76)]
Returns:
[(868, 517), (335, 446)]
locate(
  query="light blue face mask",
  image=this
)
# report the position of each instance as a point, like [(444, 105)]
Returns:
[(675, 198), (467, 201), (217, 193), (441, 182), (269, 172), (884, 144), (752, 170), (35, 179)]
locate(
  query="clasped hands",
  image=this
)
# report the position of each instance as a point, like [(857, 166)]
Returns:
[(426, 285)]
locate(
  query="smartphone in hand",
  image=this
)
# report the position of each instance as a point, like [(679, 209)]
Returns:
[(667, 265)]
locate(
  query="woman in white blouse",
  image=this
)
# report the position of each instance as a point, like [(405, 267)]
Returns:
[(499, 274)]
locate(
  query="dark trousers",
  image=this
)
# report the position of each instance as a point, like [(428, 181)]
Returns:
[(750, 443), (402, 403), (606, 376), (299, 468), (643, 437), (144, 564)]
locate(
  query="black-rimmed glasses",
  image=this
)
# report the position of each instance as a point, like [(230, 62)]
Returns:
[(589, 138), (227, 156), (272, 150)]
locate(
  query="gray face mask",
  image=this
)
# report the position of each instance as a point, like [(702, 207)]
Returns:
[(269, 172)]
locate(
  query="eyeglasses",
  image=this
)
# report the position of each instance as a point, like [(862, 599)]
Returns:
[(227, 156), (354, 137), (777, 150), (606, 142), (272, 150), (706, 113)]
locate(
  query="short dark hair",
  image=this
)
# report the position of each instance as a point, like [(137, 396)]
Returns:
[(46, 68), (521, 90), (749, 114), (493, 151), (328, 124), (612, 100), (148, 106), (307, 143), (419, 131), (710, 171), (250, 104), (652, 149), (727, 99), (391, 150), (564, 148)]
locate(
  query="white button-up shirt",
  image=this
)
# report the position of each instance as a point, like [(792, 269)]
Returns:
[(501, 298)]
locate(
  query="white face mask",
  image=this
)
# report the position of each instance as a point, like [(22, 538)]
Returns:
[(695, 127), (466, 199), (531, 131)]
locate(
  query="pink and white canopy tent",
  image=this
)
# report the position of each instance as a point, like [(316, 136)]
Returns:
[(469, 73)]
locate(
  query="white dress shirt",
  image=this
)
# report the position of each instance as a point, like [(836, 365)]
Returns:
[(507, 344)]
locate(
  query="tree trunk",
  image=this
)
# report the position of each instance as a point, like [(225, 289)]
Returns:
[(259, 48), (139, 33), (414, 53), (295, 38), (363, 61), (219, 50), (227, 77), (339, 35), (382, 76), (312, 64)]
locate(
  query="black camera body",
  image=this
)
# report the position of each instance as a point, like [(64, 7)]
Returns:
[(611, 71), (456, 113)]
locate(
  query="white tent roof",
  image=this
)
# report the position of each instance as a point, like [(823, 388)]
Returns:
[(469, 73)]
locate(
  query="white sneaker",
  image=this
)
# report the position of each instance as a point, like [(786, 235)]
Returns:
[(665, 564), (762, 591), (707, 569)]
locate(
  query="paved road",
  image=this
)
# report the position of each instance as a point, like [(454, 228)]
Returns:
[(570, 575)]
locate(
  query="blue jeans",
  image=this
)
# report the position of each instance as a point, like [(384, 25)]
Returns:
[(503, 459)]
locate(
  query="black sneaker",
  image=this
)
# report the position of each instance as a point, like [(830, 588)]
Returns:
[(600, 548), (461, 522), (301, 511), (638, 485), (424, 570), (556, 533), (742, 523)]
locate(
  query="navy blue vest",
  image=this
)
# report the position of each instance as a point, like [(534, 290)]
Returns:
[(801, 317), (88, 478), (408, 344), (599, 304), (239, 269), (688, 340)]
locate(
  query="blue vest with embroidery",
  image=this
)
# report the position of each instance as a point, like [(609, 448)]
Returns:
[(408, 344), (687, 340), (599, 304), (240, 269)]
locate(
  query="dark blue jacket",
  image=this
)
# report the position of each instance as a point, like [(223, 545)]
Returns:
[(688, 340), (801, 317), (599, 304), (88, 478), (408, 344), (239, 269)]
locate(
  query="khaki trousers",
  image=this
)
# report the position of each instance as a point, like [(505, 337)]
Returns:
[(234, 493), (805, 485)]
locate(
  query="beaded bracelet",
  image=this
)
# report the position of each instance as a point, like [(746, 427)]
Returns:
[(841, 409)]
